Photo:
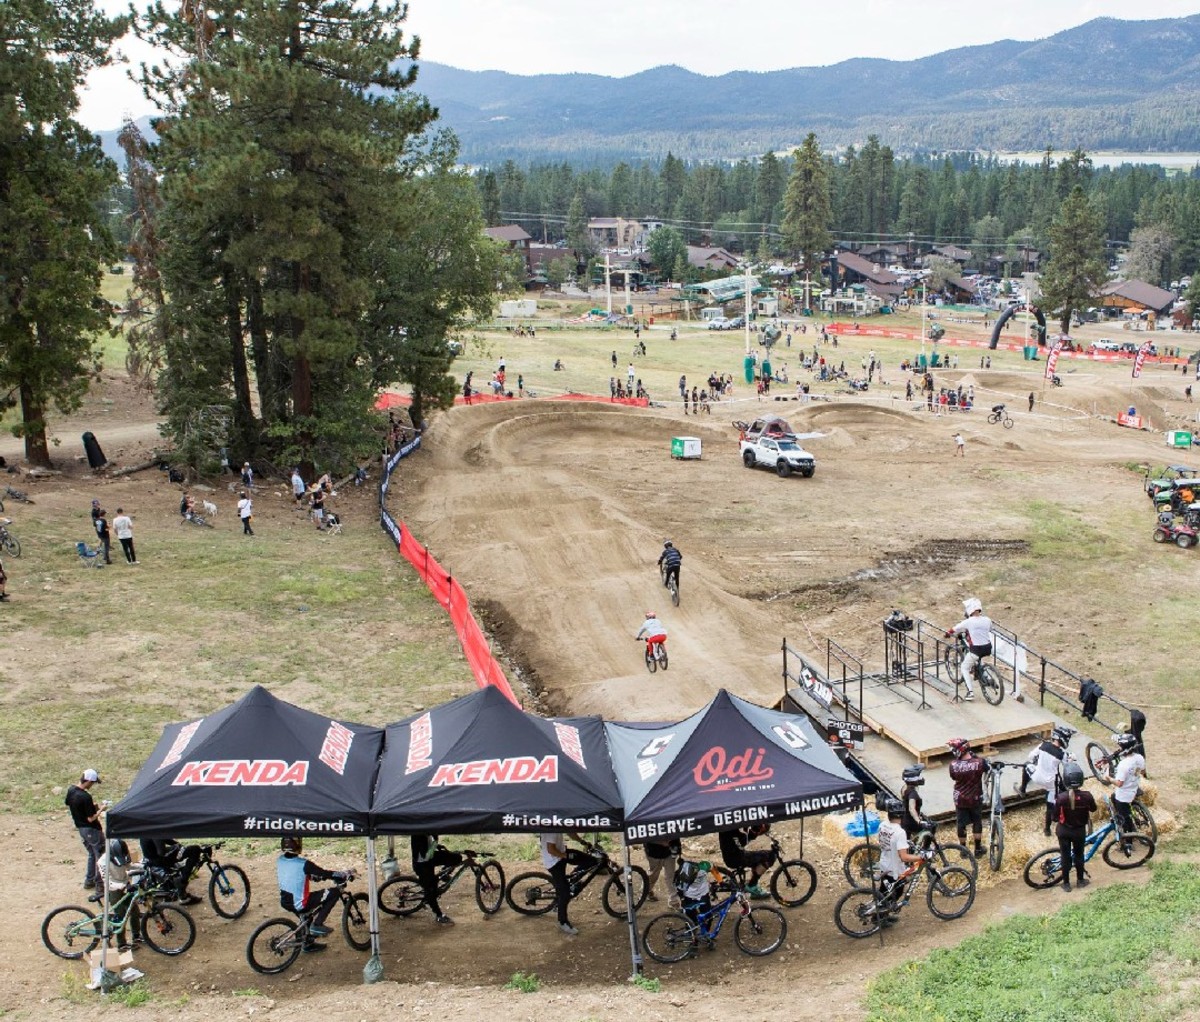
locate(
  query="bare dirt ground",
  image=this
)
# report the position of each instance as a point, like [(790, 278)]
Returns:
[(551, 515)]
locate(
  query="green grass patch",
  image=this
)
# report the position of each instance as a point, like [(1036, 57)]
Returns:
[(650, 984), (526, 983), (1119, 955)]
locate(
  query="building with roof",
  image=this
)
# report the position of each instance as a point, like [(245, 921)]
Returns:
[(1137, 296), (516, 238), (614, 232), (715, 260)]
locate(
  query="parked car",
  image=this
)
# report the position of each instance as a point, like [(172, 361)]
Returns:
[(782, 456), (719, 323), (1105, 345)]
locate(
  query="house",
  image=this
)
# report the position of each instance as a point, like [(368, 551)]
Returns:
[(515, 237), (1136, 296), (961, 290), (954, 253), (715, 260), (614, 232)]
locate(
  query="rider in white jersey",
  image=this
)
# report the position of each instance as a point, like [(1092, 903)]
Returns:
[(979, 639)]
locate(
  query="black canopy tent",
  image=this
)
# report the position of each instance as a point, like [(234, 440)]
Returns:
[(260, 767), (479, 764)]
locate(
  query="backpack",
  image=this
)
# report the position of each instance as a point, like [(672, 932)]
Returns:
[(691, 880)]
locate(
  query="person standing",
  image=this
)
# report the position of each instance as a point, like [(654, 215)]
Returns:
[(85, 814), (247, 477), (661, 859), (245, 509), (913, 820), (1044, 767), (298, 487), (427, 857), (556, 856), (966, 771), (100, 521), (908, 393), (3, 583), (1073, 809), (614, 361), (629, 376), (1031, 409), (123, 527), (960, 446), (520, 385), (1126, 779)]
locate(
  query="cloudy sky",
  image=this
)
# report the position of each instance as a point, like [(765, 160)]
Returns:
[(711, 37)]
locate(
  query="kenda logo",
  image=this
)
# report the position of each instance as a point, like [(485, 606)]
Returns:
[(224, 773), (336, 748), (517, 770), (716, 770), (420, 744), (175, 753), (570, 742)]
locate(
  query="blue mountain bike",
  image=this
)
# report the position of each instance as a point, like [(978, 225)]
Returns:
[(1121, 851)]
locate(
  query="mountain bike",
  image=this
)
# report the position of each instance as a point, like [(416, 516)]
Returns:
[(950, 893), (792, 883), (1121, 851), (994, 799), (990, 682), (403, 895), (671, 582), (228, 885), (194, 519), (674, 936), (71, 931), (532, 894), (1100, 761), (656, 656), (277, 943), (20, 496), (863, 858), (8, 541), (999, 415)]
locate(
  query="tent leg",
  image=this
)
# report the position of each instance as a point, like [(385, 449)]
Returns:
[(390, 867), (635, 952), (373, 970)]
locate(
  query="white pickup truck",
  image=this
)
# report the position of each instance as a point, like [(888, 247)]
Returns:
[(784, 456)]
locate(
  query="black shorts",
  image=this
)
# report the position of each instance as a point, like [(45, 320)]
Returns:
[(968, 814), (981, 651)]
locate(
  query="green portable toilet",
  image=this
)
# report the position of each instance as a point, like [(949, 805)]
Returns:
[(748, 365)]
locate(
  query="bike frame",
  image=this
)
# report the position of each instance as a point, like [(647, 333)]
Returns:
[(719, 911)]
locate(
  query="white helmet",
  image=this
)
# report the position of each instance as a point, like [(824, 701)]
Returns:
[(971, 606)]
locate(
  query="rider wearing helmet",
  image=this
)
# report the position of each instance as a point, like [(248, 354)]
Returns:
[(1073, 808), (1125, 778), (733, 851), (966, 771), (979, 639), (911, 799), (894, 848), (294, 872), (1044, 768), (653, 630), (672, 558)]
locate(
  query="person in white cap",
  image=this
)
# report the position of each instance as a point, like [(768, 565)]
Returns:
[(978, 627), (86, 816)]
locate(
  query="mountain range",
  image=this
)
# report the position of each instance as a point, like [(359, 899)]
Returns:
[(1105, 85)]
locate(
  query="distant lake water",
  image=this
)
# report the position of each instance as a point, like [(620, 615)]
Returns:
[(1169, 161)]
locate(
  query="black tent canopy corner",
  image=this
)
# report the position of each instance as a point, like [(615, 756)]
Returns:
[(480, 764), (732, 763), (259, 767)]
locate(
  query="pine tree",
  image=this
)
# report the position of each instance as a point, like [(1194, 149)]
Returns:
[(1077, 268), (807, 214)]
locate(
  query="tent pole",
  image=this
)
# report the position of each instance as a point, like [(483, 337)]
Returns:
[(635, 952), (105, 931), (389, 865), (373, 970)]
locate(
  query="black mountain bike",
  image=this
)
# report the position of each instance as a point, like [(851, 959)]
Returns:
[(277, 943), (532, 894), (792, 883), (403, 895), (228, 885), (988, 678), (864, 857), (671, 582)]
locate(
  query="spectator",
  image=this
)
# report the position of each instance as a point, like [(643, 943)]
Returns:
[(960, 446), (298, 487), (247, 476), (245, 509), (556, 856), (661, 859), (3, 583), (100, 521), (123, 527), (85, 814)]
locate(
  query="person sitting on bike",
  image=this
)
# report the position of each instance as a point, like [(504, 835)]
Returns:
[(966, 771), (558, 366), (733, 851), (1044, 768), (672, 559), (913, 819), (1125, 779), (653, 631), (978, 628), (1073, 809), (170, 856), (556, 857), (427, 858), (187, 505), (895, 850), (294, 873), (997, 409)]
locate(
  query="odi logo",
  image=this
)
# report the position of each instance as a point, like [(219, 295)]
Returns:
[(716, 770)]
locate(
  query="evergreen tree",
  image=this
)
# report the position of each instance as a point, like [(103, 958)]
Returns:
[(769, 187), (807, 214), (489, 199), (577, 223), (667, 248), (1077, 268), (671, 180), (53, 178)]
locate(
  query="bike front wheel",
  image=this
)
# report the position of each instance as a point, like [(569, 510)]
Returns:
[(670, 938), (857, 913), (1097, 760), (950, 893), (1008, 422), (274, 946), (613, 895), (403, 895), (1128, 852), (531, 894), (760, 931), (953, 662), (168, 929), (489, 887), (1044, 869), (12, 545), (955, 855), (859, 863), (793, 883), (229, 892), (70, 932), (992, 684), (996, 842), (356, 922)]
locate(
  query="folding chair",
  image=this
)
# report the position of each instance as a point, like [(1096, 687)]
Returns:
[(92, 557)]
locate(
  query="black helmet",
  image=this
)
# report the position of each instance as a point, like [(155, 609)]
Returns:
[(1073, 775), (1126, 742), (118, 852), (667, 543), (291, 844), (912, 774), (893, 807), (1062, 734)]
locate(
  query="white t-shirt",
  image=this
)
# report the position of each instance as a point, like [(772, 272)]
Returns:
[(245, 507), (123, 527), (652, 626), (978, 629), (545, 841), (891, 839), (1126, 775)]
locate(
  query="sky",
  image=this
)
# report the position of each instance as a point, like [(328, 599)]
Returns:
[(710, 37)]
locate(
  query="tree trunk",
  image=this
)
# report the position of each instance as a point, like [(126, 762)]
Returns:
[(37, 452), (243, 413), (269, 408)]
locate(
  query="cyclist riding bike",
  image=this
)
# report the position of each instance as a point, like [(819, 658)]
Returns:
[(733, 851), (652, 631), (294, 873), (672, 558), (978, 628)]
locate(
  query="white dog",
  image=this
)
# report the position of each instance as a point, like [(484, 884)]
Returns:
[(210, 508)]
